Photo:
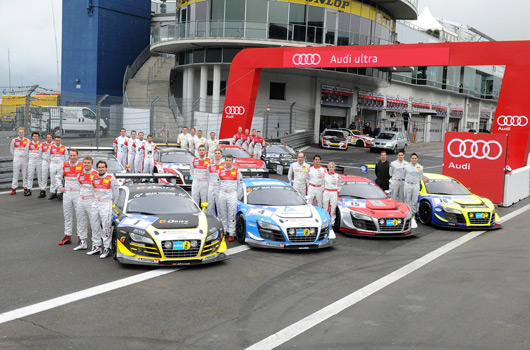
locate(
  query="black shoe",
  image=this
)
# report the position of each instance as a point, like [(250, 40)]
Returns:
[(42, 194), (60, 196), (53, 196), (29, 193), (26, 192)]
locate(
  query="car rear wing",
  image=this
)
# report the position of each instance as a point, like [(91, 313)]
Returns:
[(80, 149), (135, 178), (253, 173)]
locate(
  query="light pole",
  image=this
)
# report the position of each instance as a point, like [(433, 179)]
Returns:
[(98, 118)]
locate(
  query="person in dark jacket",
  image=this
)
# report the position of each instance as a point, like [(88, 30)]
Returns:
[(377, 131), (334, 125), (367, 129), (382, 172)]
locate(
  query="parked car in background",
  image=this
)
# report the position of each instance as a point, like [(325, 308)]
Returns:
[(333, 138), (360, 139), (245, 162), (278, 154), (389, 141), (67, 120), (175, 161)]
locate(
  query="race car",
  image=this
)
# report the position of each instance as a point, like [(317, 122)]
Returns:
[(175, 161), (278, 154), (360, 140), (444, 201), (272, 214), (364, 209), (245, 162), (160, 225), (333, 138)]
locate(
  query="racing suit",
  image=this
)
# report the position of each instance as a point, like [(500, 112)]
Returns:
[(34, 163), (71, 194), (131, 152), (58, 156), (139, 155), (332, 186), (200, 175), (298, 177), (19, 151), (149, 150), (213, 188), (120, 147), (212, 145), (85, 213), (106, 193), (191, 143), (237, 140), (183, 139), (413, 174), (257, 146), (45, 169), (198, 142), (314, 190), (244, 142), (396, 173), (230, 186)]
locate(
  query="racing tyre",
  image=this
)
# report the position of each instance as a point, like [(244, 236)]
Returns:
[(241, 229), (336, 225), (404, 147), (425, 212), (359, 143), (113, 244), (395, 150)]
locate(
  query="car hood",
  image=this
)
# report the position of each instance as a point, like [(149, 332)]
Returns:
[(246, 163), (175, 166), (372, 204), (465, 200), (283, 213)]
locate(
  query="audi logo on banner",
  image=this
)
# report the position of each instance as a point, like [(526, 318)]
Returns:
[(306, 59), (509, 120), (478, 149), (235, 110)]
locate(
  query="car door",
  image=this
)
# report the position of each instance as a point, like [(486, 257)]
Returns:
[(89, 120)]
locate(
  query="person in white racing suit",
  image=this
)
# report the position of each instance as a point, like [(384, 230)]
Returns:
[(413, 174), (332, 186), (211, 145), (299, 174), (316, 177), (257, 145), (34, 162), (191, 141), (200, 175), (213, 186), (71, 170), (184, 138), (58, 155), (19, 151), (106, 193), (397, 168), (131, 151), (45, 169), (139, 153), (149, 149), (200, 141), (85, 213), (245, 139), (237, 139), (120, 146), (251, 141), (230, 187)]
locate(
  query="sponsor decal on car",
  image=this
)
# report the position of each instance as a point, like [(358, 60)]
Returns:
[(138, 221)]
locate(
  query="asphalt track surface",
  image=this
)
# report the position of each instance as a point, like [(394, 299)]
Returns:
[(472, 296)]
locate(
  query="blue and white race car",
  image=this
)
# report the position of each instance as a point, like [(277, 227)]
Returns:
[(272, 214)]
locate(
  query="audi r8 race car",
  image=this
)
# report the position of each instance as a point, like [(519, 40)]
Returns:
[(444, 201), (364, 209), (360, 139), (160, 225), (272, 214), (245, 162), (333, 138), (175, 161), (278, 154)]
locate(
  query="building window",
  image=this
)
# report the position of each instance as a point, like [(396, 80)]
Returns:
[(277, 91), (209, 89)]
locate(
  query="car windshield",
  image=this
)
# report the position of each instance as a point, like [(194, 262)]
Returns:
[(338, 134), (386, 136), (158, 203), (274, 196), (362, 190), (113, 166), (236, 152), (285, 151), (448, 187), (176, 157)]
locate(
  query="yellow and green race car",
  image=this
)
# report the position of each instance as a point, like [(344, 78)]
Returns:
[(444, 201)]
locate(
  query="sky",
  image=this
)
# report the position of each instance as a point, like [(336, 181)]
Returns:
[(27, 31)]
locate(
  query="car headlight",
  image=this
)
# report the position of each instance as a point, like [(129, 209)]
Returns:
[(451, 210), (141, 236), (267, 226), (213, 234), (360, 216)]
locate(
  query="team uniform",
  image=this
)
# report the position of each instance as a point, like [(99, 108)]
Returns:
[(413, 174), (397, 169), (149, 150), (19, 151), (332, 185), (230, 185), (257, 146), (200, 174), (213, 187), (211, 146), (183, 139), (45, 167), (58, 155), (198, 142), (244, 142), (71, 195), (237, 139), (191, 143), (138, 155), (314, 190), (85, 213), (299, 177), (34, 163), (131, 152), (106, 194), (120, 147)]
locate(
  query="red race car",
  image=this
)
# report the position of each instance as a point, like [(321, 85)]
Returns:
[(245, 162)]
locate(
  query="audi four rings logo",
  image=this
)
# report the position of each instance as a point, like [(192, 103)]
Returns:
[(306, 59), (478, 149), (509, 120), (235, 110)]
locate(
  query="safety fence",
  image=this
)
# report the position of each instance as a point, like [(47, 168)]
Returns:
[(298, 140), (6, 172)]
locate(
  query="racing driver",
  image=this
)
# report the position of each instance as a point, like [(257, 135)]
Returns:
[(71, 170), (230, 186), (200, 175), (85, 214), (298, 174), (213, 186)]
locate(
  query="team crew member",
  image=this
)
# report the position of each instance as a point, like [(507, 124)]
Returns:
[(413, 174), (251, 139), (45, 170), (149, 149), (106, 194), (200, 175), (396, 172), (257, 145), (58, 155), (299, 174), (183, 138), (85, 214), (230, 186), (213, 185), (211, 145), (19, 151), (139, 153), (120, 146), (191, 141), (34, 163), (237, 137), (245, 140), (332, 185), (316, 176), (131, 151), (200, 141), (382, 172), (71, 171)]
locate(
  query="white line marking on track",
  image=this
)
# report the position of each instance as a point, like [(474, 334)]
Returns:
[(333, 309), (93, 291), (304, 148)]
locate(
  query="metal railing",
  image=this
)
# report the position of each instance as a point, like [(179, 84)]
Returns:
[(131, 70), (298, 140)]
